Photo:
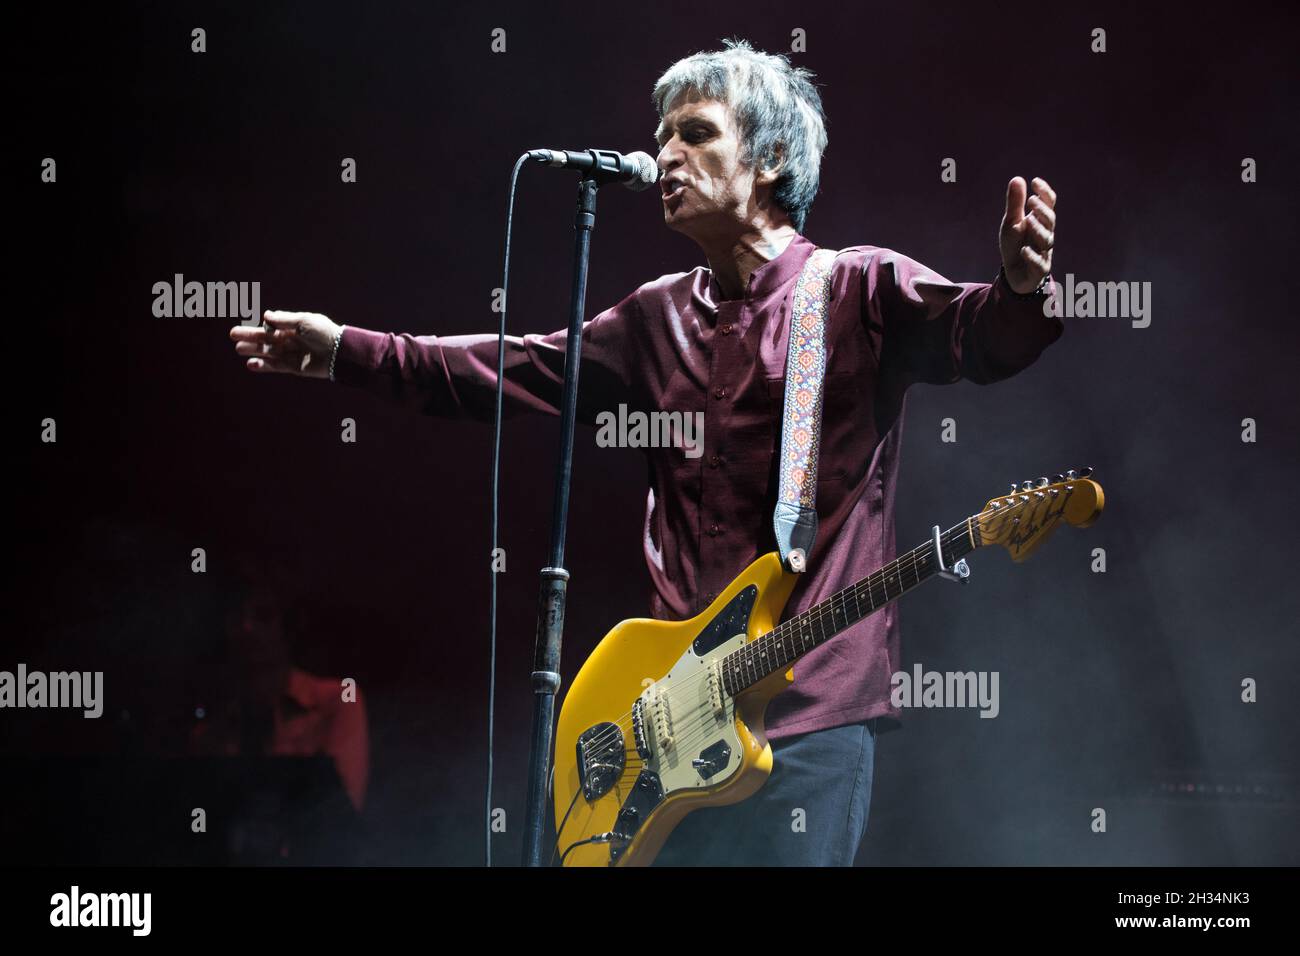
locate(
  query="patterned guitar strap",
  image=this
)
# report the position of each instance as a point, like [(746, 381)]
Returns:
[(795, 519)]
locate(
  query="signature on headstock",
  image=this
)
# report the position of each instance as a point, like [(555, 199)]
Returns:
[(1021, 520)]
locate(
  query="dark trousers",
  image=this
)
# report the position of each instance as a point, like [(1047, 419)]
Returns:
[(812, 811)]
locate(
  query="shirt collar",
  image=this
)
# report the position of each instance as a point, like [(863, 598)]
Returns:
[(773, 274)]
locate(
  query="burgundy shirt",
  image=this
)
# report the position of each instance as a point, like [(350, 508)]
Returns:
[(675, 345)]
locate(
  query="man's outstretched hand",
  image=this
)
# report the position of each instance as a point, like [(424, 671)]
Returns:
[(299, 343), (1026, 240)]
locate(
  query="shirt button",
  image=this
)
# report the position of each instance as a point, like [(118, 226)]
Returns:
[(726, 328), (714, 461), (713, 530), (719, 392)]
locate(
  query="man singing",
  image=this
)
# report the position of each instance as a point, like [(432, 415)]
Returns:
[(741, 137)]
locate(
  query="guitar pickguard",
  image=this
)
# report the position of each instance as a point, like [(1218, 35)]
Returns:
[(684, 723), (680, 735)]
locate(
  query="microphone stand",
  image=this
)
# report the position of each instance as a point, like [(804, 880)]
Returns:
[(555, 579)]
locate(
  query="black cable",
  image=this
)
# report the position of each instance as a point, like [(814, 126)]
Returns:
[(574, 846), (496, 472), (560, 829)]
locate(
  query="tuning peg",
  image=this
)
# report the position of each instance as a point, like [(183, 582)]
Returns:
[(1071, 475), (1043, 482), (1058, 478), (1026, 485), (1086, 471), (1015, 486)]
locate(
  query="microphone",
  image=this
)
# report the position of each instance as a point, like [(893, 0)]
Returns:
[(636, 170)]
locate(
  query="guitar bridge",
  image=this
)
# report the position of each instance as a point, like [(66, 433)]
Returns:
[(601, 759), (638, 730)]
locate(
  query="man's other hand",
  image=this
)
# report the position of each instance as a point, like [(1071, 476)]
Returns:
[(1026, 240)]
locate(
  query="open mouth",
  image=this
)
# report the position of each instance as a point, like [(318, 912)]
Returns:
[(674, 190)]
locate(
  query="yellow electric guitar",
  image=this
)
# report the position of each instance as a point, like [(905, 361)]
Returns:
[(667, 717)]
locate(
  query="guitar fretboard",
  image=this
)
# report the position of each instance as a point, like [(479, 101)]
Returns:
[(787, 642)]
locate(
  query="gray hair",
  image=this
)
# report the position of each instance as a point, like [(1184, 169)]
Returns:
[(777, 110)]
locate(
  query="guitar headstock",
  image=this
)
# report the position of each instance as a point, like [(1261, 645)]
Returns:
[(1022, 519)]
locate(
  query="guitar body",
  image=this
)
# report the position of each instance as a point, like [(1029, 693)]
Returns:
[(647, 733)]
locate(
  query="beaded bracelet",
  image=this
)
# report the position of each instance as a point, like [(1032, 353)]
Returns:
[(334, 353)]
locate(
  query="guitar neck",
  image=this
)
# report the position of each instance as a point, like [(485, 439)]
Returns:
[(787, 642)]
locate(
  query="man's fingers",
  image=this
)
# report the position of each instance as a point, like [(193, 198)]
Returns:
[(1041, 237), (1015, 202), (266, 341), (260, 334), (1042, 212), (284, 320), (259, 348), (1045, 191), (269, 363), (1041, 262)]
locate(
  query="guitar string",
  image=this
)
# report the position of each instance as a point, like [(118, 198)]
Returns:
[(620, 728), (920, 559), (707, 723), (700, 725), (915, 559)]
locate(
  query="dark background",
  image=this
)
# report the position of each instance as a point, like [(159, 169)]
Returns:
[(224, 166)]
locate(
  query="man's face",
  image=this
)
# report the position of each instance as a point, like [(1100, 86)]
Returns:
[(700, 149)]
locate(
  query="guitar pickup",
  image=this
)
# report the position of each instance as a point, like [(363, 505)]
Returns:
[(660, 717)]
